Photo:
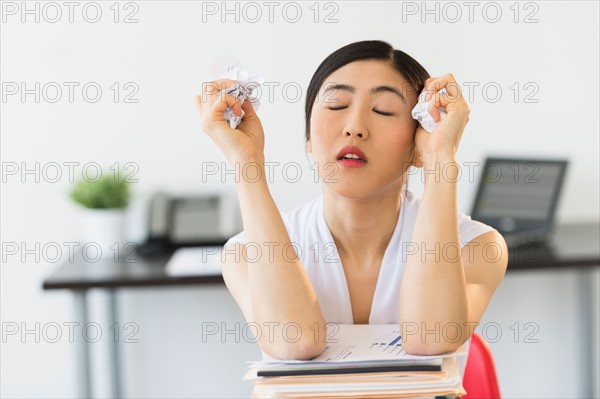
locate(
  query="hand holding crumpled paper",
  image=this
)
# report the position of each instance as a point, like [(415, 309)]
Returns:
[(227, 67), (421, 114)]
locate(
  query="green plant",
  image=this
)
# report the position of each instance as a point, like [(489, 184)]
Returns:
[(110, 191)]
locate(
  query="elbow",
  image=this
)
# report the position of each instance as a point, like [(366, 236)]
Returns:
[(428, 349), (308, 352), (296, 351), (424, 350), (307, 347)]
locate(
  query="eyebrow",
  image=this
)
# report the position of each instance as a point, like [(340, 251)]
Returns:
[(374, 90)]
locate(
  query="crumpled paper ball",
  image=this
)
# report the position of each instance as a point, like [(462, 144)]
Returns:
[(227, 67), (420, 113)]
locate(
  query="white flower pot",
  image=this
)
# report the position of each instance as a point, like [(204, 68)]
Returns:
[(102, 233)]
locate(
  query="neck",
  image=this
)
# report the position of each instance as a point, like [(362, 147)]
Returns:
[(362, 227)]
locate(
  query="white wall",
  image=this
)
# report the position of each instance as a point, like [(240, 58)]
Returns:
[(166, 54)]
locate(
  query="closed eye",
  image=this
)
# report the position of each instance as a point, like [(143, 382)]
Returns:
[(379, 112)]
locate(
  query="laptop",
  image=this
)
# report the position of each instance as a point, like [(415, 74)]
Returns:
[(519, 197)]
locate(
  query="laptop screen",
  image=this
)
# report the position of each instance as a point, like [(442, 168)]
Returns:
[(519, 194)]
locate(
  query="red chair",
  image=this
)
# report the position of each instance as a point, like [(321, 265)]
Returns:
[(480, 380)]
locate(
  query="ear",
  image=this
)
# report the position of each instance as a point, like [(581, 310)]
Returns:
[(308, 146)]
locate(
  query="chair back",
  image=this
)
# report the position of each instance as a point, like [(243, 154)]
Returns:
[(480, 379)]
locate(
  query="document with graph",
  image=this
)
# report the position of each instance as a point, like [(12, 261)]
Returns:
[(366, 343)]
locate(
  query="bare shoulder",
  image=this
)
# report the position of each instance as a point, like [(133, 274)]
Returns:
[(485, 259)]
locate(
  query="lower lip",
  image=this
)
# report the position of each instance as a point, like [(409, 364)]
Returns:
[(352, 163)]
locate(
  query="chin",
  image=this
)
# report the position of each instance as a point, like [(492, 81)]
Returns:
[(355, 188), (351, 188)]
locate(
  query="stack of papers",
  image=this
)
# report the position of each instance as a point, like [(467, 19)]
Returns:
[(360, 360)]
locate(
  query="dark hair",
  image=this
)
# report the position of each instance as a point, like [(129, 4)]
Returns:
[(409, 68)]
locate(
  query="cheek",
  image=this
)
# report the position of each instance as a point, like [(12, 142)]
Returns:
[(322, 133), (406, 138), (408, 133), (322, 120), (398, 147), (403, 135)]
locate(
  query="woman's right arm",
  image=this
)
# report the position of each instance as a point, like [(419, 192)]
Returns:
[(269, 282), (275, 286)]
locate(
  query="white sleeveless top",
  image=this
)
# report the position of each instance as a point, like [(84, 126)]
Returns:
[(316, 249)]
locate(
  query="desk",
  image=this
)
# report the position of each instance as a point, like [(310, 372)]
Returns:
[(572, 245), (132, 270)]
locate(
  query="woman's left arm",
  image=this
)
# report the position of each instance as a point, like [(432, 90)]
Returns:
[(444, 289)]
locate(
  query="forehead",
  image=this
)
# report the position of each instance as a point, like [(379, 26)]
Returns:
[(366, 74)]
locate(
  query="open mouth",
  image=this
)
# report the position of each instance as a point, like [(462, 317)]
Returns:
[(351, 156), (351, 161)]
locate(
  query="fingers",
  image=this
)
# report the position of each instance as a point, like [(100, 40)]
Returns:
[(215, 100), (453, 98), (248, 108), (211, 90), (434, 111), (218, 107), (447, 81)]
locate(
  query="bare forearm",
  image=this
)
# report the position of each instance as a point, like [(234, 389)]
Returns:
[(433, 294), (281, 293)]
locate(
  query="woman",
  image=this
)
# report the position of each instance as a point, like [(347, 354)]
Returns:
[(366, 250)]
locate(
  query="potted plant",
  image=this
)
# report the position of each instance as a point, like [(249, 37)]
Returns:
[(103, 203)]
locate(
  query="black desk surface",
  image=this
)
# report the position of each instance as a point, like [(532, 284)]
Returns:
[(572, 245)]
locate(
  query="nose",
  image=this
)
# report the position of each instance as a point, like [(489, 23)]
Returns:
[(355, 134), (356, 127)]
